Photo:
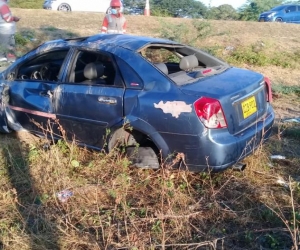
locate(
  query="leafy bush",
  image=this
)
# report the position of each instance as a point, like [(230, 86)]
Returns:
[(213, 50), (252, 56), (183, 34), (21, 40), (160, 12), (28, 4), (286, 90), (248, 56)]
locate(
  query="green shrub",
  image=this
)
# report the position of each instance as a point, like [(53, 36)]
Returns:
[(286, 90), (213, 50), (248, 56), (260, 57), (183, 33), (21, 40), (28, 4)]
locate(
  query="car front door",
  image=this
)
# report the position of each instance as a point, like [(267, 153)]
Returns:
[(32, 87), (90, 102), (290, 14)]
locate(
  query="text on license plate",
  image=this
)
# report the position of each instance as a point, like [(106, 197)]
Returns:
[(249, 107)]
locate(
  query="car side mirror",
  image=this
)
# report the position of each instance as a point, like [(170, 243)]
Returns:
[(287, 11)]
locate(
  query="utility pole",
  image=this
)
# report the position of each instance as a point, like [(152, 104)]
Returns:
[(147, 8)]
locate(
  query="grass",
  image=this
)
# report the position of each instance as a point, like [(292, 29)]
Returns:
[(116, 206)]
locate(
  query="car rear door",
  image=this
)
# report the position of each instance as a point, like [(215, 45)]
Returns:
[(87, 108)]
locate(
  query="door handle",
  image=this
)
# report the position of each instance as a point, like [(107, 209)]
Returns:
[(107, 100)]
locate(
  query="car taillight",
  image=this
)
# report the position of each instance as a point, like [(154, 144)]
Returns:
[(210, 113), (269, 90)]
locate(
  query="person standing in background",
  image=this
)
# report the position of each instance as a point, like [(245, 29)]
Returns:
[(7, 33), (114, 22)]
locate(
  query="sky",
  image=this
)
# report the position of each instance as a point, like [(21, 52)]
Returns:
[(215, 3)]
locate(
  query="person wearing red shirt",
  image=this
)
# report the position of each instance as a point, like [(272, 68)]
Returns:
[(114, 22), (7, 32)]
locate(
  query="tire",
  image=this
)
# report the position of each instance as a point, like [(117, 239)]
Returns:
[(64, 7), (278, 19), (137, 147), (143, 157)]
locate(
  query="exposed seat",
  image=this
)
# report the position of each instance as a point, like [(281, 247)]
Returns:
[(93, 73), (162, 67), (188, 63)]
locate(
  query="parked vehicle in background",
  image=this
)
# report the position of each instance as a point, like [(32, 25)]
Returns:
[(77, 5), (159, 100), (133, 11), (289, 13)]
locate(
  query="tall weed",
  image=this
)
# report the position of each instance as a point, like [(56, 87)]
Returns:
[(183, 33)]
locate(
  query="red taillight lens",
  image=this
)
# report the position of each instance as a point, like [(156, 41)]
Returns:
[(210, 113), (269, 89)]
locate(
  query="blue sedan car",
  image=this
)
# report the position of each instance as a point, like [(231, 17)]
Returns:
[(289, 13), (161, 101)]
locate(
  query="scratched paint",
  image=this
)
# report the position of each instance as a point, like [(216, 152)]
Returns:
[(58, 96), (174, 108)]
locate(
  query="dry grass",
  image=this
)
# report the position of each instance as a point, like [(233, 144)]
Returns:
[(115, 206)]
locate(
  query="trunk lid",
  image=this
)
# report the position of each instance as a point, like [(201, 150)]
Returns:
[(242, 94)]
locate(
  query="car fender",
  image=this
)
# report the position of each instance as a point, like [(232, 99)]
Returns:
[(4, 99), (134, 123), (7, 120)]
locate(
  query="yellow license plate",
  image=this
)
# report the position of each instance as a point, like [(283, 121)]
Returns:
[(249, 107)]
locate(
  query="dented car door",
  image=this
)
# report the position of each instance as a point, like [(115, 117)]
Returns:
[(31, 106), (90, 101), (30, 92)]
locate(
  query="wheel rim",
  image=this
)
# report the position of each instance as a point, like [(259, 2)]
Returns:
[(64, 7), (278, 20)]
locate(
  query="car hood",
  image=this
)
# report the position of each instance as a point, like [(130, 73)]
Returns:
[(267, 13)]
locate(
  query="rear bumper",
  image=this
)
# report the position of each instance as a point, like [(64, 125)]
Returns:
[(218, 149)]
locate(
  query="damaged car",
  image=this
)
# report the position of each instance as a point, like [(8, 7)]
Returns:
[(162, 101)]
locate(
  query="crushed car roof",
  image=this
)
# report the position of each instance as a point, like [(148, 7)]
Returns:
[(129, 42)]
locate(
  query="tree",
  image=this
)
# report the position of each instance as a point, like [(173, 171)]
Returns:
[(134, 3), (223, 12), (252, 8), (180, 8)]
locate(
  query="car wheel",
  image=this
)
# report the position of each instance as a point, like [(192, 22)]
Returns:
[(139, 149), (278, 19), (64, 7), (143, 157)]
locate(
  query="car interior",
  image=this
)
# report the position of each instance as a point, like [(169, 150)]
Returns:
[(44, 67), (182, 65), (92, 68), (88, 68)]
